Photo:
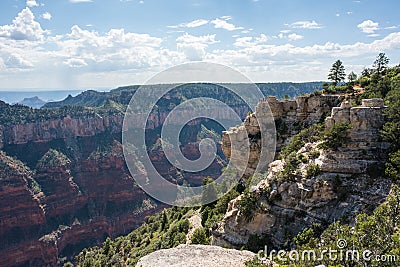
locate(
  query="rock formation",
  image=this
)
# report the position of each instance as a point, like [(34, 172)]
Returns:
[(327, 185), (290, 116), (196, 255), (65, 207), (79, 190)]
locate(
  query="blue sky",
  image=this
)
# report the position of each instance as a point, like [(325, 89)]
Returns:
[(78, 44)]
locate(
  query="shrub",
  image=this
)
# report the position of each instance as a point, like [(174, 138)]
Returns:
[(256, 243), (308, 135), (247, 206), (200, 237), (336, 136), (313, 170)]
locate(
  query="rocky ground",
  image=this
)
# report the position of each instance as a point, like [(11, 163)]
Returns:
[(196, 255)]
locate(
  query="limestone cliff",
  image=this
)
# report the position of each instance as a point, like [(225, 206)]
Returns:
[(290, 116), (327, 184)]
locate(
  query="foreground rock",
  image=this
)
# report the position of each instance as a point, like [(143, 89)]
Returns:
[(196, 255)]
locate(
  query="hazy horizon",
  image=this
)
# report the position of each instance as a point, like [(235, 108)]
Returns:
[(128, 41)]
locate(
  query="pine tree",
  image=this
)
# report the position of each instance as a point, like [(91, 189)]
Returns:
[(352, 77), (381, 63), (337, 72)]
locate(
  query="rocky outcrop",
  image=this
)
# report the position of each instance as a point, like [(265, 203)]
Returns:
[(327, 184), (196, 255), (289, 116), (307, 109)]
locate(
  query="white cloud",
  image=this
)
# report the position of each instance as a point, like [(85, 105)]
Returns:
[(373, 35), (75, 62), (349, 12), (295, 37), (226, 17), (368, 26), (80, 1), (196, 23), (31, 3), (204, 39), (17, 61), (141, 2), (23, 27), (223, 24), (194, 47), (251, 41), (47, 16), (305, 25), (191, 24), (113, 50)]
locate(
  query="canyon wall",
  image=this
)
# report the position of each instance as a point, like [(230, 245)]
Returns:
[(327, 184), (72, 188), (64, 207), (290, 116)]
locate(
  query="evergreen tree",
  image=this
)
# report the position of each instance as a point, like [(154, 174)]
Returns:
[(381, 63), (337, 72), (352, 77)]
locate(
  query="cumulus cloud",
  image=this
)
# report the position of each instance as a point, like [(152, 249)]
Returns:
[(16, 61), (368, 26), (23, 27), (194, 47), (114, 50), (251, 41), (46, 15), (305, 25), (31, 3), (223, 24), (295, 37)]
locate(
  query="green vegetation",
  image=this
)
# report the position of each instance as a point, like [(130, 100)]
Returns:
[(337, 72), (200, 237), (307, 135), (352, 77), (164, 230), (313, 170), (247, 205), (336, 136), (378, 233), (53, 159)]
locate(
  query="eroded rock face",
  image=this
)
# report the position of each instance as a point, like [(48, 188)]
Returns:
[(196, 255), (289, 116), (82, 198), (66, 206), (347, 181)]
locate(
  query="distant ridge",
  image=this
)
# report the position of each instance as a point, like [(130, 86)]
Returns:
[(33, 102), (122, 95)]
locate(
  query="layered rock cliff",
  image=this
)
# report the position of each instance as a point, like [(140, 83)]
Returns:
[(63, 206), (290, 117), (325, 185), (76, 189)]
